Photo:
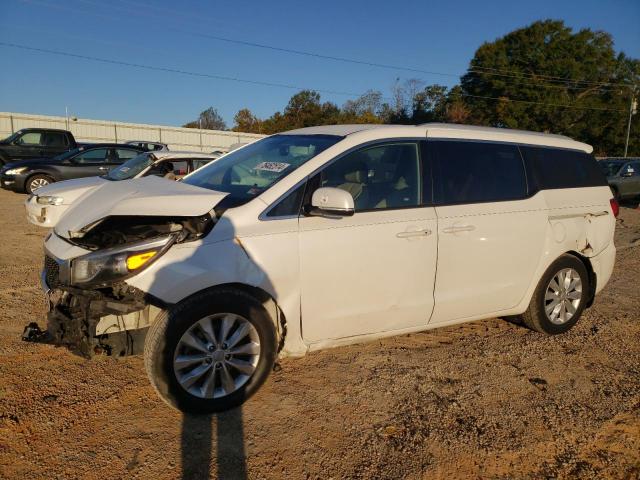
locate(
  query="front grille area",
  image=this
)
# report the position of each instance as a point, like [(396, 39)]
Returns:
[(51, 271)]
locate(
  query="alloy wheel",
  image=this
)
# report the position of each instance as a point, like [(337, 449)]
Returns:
[(37, 183), (217, 355), (563, 296)]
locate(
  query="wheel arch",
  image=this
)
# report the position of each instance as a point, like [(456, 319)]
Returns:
[(43, 173), (590, 271), (265, 298)]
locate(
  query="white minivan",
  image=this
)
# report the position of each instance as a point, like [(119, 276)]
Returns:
[(326, 236)]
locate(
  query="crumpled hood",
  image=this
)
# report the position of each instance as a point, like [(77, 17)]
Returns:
[(70, 190), (148, 196)]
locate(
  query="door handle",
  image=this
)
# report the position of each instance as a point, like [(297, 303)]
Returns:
[(459, 228), (414, 233)]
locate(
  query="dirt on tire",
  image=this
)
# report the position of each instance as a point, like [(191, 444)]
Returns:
[(489, 399)]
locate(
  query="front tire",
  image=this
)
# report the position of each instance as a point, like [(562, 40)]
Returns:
[(559, 298), (210, 352), (36, 181)]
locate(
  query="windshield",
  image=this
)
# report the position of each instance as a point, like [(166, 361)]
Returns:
[(249, 171), (130, 168), (11, 137), (610, 169)]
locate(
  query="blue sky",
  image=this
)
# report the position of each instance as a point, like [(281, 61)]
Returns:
[(438, 36)]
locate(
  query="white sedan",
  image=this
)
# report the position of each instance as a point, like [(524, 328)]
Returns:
[(48, 203)]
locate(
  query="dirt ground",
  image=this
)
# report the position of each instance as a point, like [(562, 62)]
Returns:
[(489, 399)]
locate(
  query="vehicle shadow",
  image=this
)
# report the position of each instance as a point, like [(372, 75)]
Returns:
[(215, 442), (197, 446)]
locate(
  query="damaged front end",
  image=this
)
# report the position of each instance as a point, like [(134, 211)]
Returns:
[(92, 310), (95, 322)]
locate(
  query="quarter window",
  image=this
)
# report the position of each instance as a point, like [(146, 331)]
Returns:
[(558, 168), (476, 172), (55, 139), (378, 177), (289, 205)]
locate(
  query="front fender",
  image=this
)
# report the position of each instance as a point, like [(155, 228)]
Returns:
[(189, 268)]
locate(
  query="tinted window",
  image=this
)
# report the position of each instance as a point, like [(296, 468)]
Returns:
[(610, 169), (378, 177), (55, 139), (97, 155), (557, 168), (30, 138), (289, 205), (473, 172)]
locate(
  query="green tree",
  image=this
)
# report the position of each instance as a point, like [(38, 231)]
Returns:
[(547, 63), (209, 119), (245, 121), (364, 109)]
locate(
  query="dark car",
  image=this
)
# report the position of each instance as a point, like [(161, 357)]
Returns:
[(35, 143), (149, 146), (623, 176), (87, 161)]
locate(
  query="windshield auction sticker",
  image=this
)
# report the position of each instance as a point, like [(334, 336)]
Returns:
[(272, 166)]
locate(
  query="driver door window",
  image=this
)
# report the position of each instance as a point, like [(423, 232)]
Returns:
[(379, 177), (31, 138)]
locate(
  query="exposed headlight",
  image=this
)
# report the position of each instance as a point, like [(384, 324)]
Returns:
[(16, 171), (49, 200), (113, 264)]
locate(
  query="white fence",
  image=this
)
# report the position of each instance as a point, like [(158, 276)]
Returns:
[(85, 130)]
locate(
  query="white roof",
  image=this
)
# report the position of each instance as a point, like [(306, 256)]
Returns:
[(161, 155), (448, 130)]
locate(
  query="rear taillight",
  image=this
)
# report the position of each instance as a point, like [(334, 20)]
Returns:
[(615, 207)]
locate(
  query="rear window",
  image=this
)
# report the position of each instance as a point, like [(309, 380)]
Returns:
[(553, 168), (475, 172)]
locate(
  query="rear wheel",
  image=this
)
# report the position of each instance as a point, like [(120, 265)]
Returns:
[(36, 181), (211, 352), (560, 297)]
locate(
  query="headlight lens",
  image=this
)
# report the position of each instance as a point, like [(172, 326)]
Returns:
[(113, 264), (16, 171), (49, 200)]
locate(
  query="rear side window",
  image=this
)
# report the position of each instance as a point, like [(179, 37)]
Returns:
[(476, 172), (124, 154), (97, 155), (55, 139), (557, 168)]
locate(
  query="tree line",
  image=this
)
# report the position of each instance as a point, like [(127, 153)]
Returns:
[(544, 77)]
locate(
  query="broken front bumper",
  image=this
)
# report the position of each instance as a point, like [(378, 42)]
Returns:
[(112, 321)]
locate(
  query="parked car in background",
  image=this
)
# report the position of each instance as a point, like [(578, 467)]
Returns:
[(326, 236), (35, 143), (149, 146), (47, 204), (87, 161), (623, 176)]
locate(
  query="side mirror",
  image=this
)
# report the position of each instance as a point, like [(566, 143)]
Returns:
[(332, 202)]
